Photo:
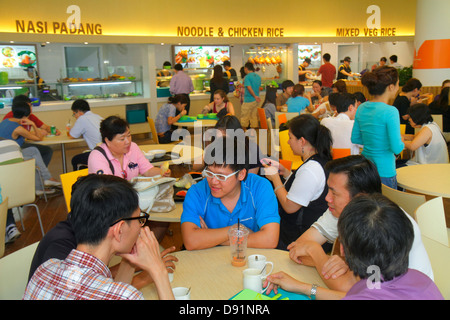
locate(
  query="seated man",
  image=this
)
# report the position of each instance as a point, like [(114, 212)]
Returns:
[(106, 221), (341, 126), (376, 239), (348, 177), (229, 194)]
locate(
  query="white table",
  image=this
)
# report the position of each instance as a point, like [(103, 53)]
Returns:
[(429, 179), (187, 154), (199, 126), (62, 139), (211, 276)]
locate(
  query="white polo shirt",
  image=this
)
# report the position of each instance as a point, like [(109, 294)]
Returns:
[(341, 131), (88, 126)]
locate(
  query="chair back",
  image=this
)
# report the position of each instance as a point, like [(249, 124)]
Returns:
[(18, 182), (286, 163), (282, 118), (430, 217), (439, 256), (407, 201), (14, 271), (287, 115), (340, 153), (262, 118), (3, 213), (286, 151), (151, 123), (67, 180)]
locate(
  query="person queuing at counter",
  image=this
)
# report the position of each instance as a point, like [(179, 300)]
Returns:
[(344, 70), (302, 72), (341, 126), (328, 72), (229, 71), (409, 96), (118, 155), (228, 195), (13, 128), (442, 106), (393, 62), (218, 82), (377, 124), (374, 232), (181, 83), (381, 63), (252, 84), (301, 199), (88, 126), (168, 114), (106, 221), (297, 102), (287, 87), (428, 144), (46, 151), (220, 104), (348, 177)]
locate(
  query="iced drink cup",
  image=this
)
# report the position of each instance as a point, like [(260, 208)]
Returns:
[(238, 244)]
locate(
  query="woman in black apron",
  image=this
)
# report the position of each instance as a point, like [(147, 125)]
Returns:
[(301, 198)]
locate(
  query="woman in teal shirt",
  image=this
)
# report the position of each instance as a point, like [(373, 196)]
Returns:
[(377, 124)]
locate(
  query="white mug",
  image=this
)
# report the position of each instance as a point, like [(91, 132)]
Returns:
[(181, 293), (258, 261), (253, 280)]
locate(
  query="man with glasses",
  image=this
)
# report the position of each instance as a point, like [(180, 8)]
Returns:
[(106, 221), (228, 194)]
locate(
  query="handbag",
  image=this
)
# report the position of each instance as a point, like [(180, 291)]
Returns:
[(155, 193)]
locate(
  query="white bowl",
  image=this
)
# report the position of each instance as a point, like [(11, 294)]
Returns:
[(158, 153), (149, 156)]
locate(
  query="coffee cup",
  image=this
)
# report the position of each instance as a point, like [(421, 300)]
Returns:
[(258, 261), (253, 280), (182, 293)]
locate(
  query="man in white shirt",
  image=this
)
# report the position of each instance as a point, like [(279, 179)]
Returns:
[(341, 126), (348, 178), (88, 126)]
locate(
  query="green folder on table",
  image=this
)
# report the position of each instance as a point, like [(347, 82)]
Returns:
[(248, 294)]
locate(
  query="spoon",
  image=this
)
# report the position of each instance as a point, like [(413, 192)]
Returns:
[(263, 269)]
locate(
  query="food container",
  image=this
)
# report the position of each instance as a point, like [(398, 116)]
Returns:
[(211, 115)]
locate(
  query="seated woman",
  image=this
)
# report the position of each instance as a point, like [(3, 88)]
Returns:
[(269, 104), (13, 129), (167, 116), (407, 97), (301, 199), (442, 106), (297, 102), (428, 145), (121, 157), (219, 103)]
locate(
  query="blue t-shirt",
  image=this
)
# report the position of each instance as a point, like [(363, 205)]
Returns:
[(377, 128), (6, 129), (254, 81), (297, 104), (256, 207)]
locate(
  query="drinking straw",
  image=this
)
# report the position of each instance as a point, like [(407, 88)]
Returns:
[(238, 233)]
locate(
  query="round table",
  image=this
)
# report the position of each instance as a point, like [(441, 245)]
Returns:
[(199, 127), (211, 276), (429, 179)]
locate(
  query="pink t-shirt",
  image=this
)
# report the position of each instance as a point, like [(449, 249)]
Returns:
[(134, 163)]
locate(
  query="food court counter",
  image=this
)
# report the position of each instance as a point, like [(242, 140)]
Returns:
[(58, 113)]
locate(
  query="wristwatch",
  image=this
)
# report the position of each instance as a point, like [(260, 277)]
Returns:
[(312, 295)]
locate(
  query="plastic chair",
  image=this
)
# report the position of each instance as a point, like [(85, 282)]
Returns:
[(286, 163), (340, 153), (151, 123), (282, 118), (17, 181), (439, 256), (430, 217), (67, 180), (14, 271), (262, 118), (3, 213), (286, 151), (407, 201)]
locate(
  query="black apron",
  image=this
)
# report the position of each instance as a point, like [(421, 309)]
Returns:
[(295, 224)]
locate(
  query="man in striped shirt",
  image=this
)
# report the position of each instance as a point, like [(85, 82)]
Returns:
[(107, 221)]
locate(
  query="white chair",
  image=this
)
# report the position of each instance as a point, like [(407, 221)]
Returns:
[(3, 213), (431, 220), (17, 181), (14, 271), (407, 201), (439, 256)]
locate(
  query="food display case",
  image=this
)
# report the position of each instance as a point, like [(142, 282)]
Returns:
[(313, 52), (200, 79), (270, 61)]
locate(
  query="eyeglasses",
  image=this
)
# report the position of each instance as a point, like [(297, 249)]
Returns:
[(143, 217), (220, 177)]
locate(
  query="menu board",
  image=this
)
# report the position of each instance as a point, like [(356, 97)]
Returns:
[(201, 56), (313, 52), (17, 56)]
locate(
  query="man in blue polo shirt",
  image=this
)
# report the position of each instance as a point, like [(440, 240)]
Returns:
[(229, 193)]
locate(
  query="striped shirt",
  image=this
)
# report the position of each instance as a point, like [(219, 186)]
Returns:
[(80, 276)]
